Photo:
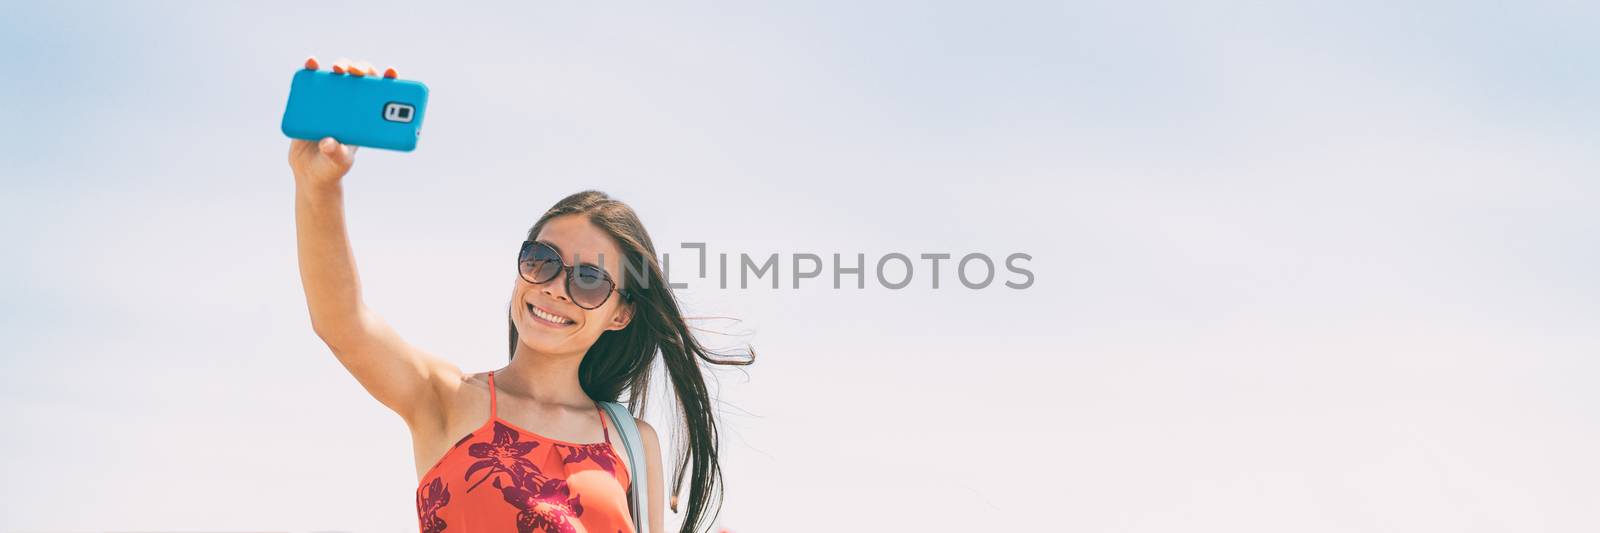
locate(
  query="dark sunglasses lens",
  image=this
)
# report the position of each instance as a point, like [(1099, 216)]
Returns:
[(589, 286), (539, 263)]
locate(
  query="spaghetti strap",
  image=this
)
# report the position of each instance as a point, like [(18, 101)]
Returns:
[(605, 431), (492, 413)]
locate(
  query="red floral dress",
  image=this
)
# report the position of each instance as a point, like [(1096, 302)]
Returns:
[(502, 478)]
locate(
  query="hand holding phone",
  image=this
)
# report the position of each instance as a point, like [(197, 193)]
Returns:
[(320, 163), (355, 105)]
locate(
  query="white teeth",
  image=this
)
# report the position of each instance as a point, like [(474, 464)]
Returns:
[(548, 316)]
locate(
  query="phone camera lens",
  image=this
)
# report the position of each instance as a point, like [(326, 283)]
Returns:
[(397, 112)]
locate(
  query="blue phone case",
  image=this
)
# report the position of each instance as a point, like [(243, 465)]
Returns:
[(364, 111)]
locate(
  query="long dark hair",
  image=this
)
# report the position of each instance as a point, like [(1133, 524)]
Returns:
[(622, 359)]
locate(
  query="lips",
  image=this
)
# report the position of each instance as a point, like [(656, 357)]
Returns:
[(547, 317)]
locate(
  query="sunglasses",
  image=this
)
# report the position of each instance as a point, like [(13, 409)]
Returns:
[(587, 285)]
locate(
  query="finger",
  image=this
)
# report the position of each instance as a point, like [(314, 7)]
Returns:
[(346, 155), (340, 153)]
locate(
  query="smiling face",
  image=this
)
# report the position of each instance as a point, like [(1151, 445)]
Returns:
[(545, 316)]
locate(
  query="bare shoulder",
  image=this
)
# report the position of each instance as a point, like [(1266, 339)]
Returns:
[(445, 382), (645, 429), (652, 446), (447, 377), (454, 385)]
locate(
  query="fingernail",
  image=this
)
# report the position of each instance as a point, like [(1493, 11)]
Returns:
[(311, 63), (390, 73), (338, 69), (357, 71)]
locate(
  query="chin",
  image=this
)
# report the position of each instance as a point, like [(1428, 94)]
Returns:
[(538, 340), (541, 339)]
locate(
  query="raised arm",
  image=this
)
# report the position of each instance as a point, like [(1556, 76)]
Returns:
[(402, 377)]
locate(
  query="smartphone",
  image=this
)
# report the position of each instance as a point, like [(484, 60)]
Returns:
[(369, 111)]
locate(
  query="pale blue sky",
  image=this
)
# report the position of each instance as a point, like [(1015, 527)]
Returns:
[(1298, 267)]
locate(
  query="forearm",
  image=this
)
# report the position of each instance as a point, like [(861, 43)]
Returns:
[(327, 263)]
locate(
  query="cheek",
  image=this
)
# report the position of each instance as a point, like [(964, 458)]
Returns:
[(598, 319)]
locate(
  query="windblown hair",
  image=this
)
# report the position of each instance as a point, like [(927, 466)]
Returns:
[(622, 360)]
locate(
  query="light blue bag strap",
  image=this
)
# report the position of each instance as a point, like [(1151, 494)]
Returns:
[(633, 445)]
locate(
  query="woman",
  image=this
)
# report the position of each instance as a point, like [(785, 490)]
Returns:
[(526, 444)]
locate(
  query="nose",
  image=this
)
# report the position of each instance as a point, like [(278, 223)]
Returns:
[(554, 287)]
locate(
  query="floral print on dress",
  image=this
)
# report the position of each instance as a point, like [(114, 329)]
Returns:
[(504, 455), (546, 505), (429, 501), (596, 452), (528, 474)]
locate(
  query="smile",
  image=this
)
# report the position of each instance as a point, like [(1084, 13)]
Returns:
[(547, 317)]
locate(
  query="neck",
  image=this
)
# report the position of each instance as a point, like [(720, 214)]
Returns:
[(545, 378)]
